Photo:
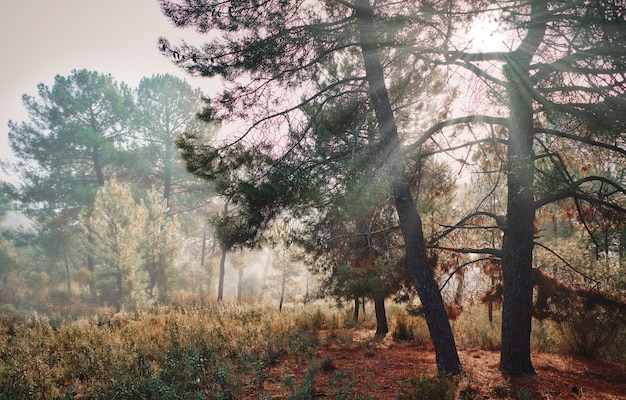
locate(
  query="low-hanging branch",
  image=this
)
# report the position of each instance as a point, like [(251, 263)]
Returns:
[(567, 263), (581, 139), (460, 267), (465, 250), (451, 122), (461, 224)]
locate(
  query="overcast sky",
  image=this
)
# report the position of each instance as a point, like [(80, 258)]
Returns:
[(43, 38)]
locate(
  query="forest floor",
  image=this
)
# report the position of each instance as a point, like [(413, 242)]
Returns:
[(378, 369)]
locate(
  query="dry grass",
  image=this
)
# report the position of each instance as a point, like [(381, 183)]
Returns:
[(233, 352)]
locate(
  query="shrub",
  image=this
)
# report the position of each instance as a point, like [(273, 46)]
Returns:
[(594, 333), (440, 387), (407, 328)]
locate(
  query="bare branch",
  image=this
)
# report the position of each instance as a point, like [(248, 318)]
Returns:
[(451, 122), (499, 221), (460, 267), (346, 3), (465, 250), (581, 139), (573, 191)]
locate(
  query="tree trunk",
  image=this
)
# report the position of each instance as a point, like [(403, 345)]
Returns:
[(363, 307), (409, 219), (220, 282), (239, 284), (517, 244), (67, 266), (91, 266), (97, 166), (381, 317), (356, 309), (282, 289), (266, 270), (167, 173), (120, 289), (203, 248), (307, 295)]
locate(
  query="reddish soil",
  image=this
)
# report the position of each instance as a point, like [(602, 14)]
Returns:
[(378, 369)]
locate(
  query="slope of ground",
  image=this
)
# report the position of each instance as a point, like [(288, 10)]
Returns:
[(379, 369)]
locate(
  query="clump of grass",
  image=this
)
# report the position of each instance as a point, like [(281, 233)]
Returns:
[(441, 387), (500, 391), (472, 329), (326, 364), (469, 392), (409, 329)]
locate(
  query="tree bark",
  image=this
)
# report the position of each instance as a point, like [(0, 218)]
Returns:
[(381, 317), (409, 219), (518, 241), (97, 166), (220, 282)]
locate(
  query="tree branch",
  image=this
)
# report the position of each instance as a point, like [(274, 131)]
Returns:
[(451, 122), (564, 261), (499, 222), (494, 252), (460, 267), (581, 139)]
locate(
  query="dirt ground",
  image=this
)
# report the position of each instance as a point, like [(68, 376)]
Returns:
[(378, 369)]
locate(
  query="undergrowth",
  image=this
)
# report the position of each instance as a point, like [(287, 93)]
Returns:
[(224, 352), (212, 352)]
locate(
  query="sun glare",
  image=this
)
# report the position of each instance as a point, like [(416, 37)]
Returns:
[(485, 36)]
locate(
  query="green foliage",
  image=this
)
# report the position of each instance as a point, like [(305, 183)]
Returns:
[(159, 245), (116, 228), (66, 151), (166, 108)]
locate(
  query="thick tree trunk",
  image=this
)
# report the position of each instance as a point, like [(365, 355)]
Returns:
[(409, 219), (518, 241), (381, 317)]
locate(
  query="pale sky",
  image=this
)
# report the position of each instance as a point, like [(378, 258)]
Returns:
[(43, 38)]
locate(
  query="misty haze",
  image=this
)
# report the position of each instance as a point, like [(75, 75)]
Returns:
[(313, 198)]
